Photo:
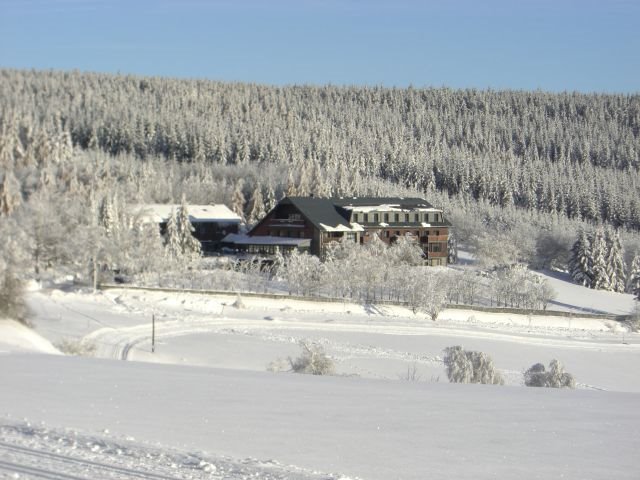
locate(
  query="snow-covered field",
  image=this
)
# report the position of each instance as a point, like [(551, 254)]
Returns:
[(205, 406)]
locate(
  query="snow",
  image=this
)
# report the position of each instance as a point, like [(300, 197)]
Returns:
[(197, 213), (205, 406), (571, 297), (355, 227), (15, 336)]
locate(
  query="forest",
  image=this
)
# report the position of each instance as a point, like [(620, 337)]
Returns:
[(529, 171)]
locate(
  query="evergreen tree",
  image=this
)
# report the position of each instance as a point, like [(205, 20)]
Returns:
[(271, 198), (238, 199), (10, 194), (633, 285), (452, 248), (172, 237), (600, 269), (257, 211), (615, 261), (189, 245), (580, 261)]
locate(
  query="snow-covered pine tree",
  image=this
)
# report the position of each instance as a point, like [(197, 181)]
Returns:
[(172, 236), (601, 274), (271, 198), (452, 248), (238, 199), (189, 245), (580, 260), (257, 211), (615, 261), (292, 189), (10, 194), (633, 285), (108, 216)]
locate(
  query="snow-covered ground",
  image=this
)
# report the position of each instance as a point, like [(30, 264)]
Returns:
[(205, 406)]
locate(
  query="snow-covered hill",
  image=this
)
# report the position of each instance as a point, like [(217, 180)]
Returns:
[(220, 414)]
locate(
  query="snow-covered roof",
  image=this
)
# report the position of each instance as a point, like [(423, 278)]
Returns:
[(241, 239), (159, 213), (355, 227), (388, 208)]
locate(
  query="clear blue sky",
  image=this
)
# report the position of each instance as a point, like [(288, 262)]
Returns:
[(584, 45)]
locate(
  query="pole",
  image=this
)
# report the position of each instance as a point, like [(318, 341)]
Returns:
[(153, 333)]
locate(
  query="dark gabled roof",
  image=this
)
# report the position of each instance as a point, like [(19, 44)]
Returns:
[(319, 211), (404, 202)]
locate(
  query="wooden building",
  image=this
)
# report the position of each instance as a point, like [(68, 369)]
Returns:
[(309, 224), (211, 223)]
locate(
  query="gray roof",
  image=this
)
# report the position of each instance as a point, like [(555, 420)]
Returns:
[(322, 212)]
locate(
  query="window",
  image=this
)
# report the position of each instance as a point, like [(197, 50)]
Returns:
[(366, 218), (295, 216), (397, 217), (416, 217), (386, 218), (437, 247), (301, 234), (375, 218), (386, 233)]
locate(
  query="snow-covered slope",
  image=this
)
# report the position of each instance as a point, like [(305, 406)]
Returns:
[(220, 414), (371, 429), (15, 336)]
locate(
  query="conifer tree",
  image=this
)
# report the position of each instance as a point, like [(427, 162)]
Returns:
[(257, 211), (10, 194), (633, 285), (580, 263), (173, 236), (189, 245), (615, 261), (601, 277), (271, 198), (238, 199)]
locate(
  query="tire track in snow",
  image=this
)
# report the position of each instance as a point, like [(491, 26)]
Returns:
[(37, 452), (26, 454)]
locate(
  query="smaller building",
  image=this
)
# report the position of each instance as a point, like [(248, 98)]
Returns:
[(211, 223)]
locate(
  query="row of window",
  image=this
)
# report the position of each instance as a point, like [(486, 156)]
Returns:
[(287, 233), (415, 217), (416, 233)]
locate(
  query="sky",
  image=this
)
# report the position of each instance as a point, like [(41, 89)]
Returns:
[(561, 45)]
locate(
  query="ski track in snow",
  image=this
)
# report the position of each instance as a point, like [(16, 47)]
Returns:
[(117, 343), (37, 452)]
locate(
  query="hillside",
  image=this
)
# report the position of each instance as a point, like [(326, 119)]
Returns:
[(205, 406)]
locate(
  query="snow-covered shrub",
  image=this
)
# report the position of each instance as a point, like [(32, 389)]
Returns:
[(466, 366), (238, 303), (411, 375), (76, 347), (555, 377), (634, 319), (313, 360), (278, 365)]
